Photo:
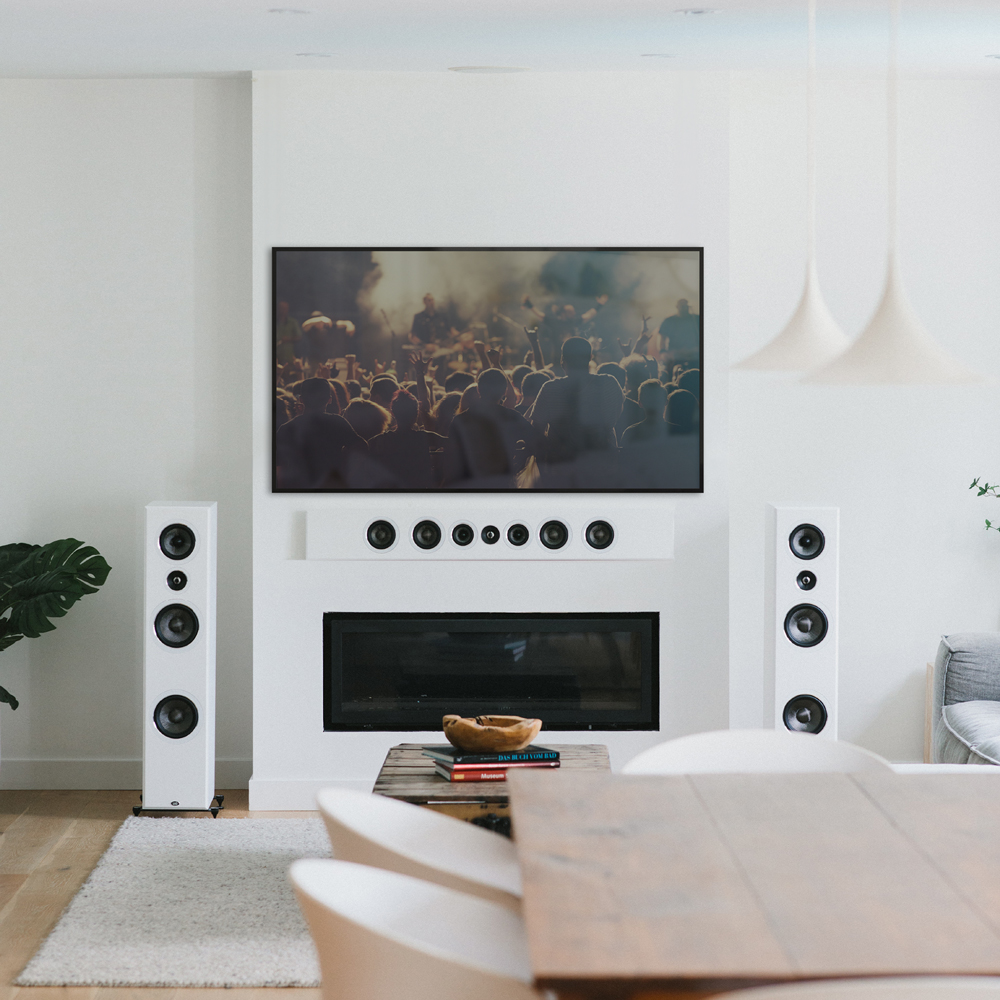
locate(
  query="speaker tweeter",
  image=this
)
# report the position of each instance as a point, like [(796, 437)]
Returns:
[(427, 534), (490, 534), (177, 580)]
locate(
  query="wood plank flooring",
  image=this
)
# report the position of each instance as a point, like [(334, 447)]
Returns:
[(49, 844)]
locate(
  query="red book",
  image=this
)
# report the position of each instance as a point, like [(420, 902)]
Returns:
[(481, 773)]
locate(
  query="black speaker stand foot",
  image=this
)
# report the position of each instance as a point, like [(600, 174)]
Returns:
[(136, 810), (219, 800), (215, 812)]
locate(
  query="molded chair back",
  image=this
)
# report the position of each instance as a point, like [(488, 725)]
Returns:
[(400, 837), (385, 936), (753, 751), (887, 988)]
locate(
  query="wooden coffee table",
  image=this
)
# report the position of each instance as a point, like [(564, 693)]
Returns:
[(408, 775)]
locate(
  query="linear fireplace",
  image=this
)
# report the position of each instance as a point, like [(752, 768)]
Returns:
[(402, 672)]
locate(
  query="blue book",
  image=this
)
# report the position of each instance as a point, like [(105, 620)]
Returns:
[(449, 755)]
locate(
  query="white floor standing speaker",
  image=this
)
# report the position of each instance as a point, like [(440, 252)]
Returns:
[(178, 761), (800, 668)]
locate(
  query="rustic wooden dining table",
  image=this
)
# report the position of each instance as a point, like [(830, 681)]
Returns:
[(687, 886)]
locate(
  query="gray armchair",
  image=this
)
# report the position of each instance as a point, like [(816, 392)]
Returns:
[(966, 705)]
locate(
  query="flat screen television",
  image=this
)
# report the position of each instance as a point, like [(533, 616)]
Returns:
[(425, 370)]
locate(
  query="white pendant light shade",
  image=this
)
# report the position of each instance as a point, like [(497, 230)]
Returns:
[(894, 349), (810, 338)]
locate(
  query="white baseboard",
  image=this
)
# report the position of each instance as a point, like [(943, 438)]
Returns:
[(113, 773), (271, 795)]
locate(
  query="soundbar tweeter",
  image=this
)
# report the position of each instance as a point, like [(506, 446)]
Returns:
[(490, 534)]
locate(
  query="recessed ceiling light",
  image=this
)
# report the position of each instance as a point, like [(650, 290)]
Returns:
[(658, 55), (698, 10), (488, 69), (287, 10), (318, 55)]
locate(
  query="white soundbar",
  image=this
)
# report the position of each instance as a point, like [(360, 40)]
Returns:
[(643, 527)]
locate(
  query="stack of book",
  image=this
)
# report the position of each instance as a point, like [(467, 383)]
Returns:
[(453, 764)]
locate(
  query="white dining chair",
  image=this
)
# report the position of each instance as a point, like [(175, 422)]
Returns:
[(883, 988), (401, 837), (385, 936), (753, 751)]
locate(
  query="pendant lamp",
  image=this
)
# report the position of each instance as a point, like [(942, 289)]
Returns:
[(811, 337), (894, 348)]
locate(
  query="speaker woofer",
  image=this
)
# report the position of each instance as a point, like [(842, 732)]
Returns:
[(806, 541), (176, 625), (518, 534), (554, 534), (177, 541), (381, 534), (804, 714), (176, 716), (427, 534), (600, 534), (806, 625)]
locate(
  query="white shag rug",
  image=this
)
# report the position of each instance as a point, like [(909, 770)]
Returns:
[(188, 902)]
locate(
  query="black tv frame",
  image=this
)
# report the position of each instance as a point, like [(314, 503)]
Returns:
[(275, 488)]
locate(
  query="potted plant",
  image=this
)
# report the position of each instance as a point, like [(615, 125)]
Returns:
[(41, 582)]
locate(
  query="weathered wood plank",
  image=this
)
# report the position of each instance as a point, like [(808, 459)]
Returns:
[(845, 891), (628, 878)]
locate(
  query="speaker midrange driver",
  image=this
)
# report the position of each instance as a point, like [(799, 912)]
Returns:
[(600, 534), (518, 534), (806, 625), (804, 714), (427, 534), (176, 626), (553, 534), (463, 534), (381, 535), (177, 541), (806, 541)]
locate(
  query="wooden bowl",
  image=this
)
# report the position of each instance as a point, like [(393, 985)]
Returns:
[(490, 733)]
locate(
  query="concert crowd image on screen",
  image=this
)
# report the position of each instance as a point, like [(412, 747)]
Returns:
[(415, 370)]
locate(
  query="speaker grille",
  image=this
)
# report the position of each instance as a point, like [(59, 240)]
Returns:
[(806, 625), (177, 541), (805, 714), (176, 625), (176, 716)]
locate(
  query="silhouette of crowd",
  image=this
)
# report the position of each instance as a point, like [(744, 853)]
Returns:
[(474, 409)]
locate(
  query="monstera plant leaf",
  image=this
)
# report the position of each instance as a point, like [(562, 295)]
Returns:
[(6, 698), (46, 582)]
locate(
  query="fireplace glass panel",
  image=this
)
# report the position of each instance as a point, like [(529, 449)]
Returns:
[(404, 672)]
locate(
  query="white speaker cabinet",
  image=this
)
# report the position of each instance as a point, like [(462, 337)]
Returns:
[(802, 619), (178, 762)]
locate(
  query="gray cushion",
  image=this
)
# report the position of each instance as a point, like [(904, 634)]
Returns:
[(976, 726), (967, 672)]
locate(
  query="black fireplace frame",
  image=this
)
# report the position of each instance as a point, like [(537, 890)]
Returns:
[(647, 623)]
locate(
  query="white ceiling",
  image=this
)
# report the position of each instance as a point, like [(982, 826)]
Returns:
[(156, 37)]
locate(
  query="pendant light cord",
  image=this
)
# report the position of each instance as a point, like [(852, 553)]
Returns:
[(811, 139), (892, 103)]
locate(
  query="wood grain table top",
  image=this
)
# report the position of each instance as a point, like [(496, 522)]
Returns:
[(408, 775), (704, 882)]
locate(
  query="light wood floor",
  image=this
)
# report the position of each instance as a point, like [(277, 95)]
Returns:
[(49, 843)]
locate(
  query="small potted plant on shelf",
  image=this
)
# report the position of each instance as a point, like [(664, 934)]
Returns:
[(41, 582)]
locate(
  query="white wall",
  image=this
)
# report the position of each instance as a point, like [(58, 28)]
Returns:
[(124, 378), (449, 160), (915, 561)]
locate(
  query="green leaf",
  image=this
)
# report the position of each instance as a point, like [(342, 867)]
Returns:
[(974, 483), (7, 698), (7, 637), (48, 581)]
